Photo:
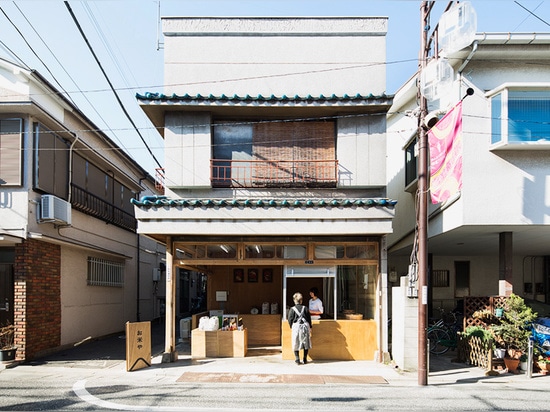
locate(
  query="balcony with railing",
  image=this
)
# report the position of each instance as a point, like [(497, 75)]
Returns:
[(92, 205), (274, 173)]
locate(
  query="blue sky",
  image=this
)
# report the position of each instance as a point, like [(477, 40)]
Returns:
[(124, 35)]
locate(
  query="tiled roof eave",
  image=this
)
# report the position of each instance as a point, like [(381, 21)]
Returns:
[(270, 101), (162, 201)]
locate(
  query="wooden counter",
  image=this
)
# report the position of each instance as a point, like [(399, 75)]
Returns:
[(219, 344), (263, 330), (336, 340)]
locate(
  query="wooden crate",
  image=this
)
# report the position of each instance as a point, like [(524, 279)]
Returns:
[(204, 344), (232, 344), (219, 344)]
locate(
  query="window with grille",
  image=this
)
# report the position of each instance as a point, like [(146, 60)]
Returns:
[(520, 117), (440, 278), (102, 272)]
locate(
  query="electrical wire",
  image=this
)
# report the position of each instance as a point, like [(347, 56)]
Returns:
[(530, 12), (70, 77), (109, 82), (32, 50)]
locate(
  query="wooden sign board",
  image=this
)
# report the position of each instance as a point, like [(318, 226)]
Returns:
[(138, 345)]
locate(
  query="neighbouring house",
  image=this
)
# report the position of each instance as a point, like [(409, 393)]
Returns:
[(275, 175), (490, 238), (72, 266)]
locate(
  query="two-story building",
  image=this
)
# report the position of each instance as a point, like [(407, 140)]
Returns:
[(491, 237), (72, 266), (275, 174)]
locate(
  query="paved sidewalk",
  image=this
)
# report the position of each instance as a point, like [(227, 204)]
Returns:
[(105, 360)]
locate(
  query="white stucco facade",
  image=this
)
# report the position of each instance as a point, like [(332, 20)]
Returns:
[(505, 188)]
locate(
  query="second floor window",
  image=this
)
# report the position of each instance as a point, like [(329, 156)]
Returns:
[(93, 191), (411, 166), (520, 116), (11, 158), (274, 154)]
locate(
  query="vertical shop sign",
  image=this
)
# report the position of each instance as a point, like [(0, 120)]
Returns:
[(138, 345)]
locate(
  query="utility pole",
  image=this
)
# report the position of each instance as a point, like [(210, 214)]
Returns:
[(423, 186), (423, 189)]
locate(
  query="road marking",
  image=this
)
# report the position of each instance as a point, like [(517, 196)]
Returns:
[(79, 389)]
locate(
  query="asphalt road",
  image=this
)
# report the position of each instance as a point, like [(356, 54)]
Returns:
[(93, 376)]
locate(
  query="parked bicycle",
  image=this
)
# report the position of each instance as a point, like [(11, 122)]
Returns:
[(442, 335)]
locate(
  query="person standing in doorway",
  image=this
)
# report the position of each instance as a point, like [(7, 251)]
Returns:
[(315, 304), (299, 320)]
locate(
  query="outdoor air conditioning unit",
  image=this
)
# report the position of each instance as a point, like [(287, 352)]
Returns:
[(55, 210)]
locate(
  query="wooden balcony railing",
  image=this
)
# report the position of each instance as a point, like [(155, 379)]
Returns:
[(273, 173)]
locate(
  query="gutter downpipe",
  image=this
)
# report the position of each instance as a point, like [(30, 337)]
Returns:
[(465, 63), (71, 168)]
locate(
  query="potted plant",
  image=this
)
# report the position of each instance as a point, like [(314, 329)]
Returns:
[(7, 346), (543, 363), (523, 361), (512, 331)]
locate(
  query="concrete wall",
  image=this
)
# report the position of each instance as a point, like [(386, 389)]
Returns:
[(404, 328), (289, 55)]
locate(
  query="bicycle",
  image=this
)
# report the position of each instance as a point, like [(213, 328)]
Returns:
[(442, 335)]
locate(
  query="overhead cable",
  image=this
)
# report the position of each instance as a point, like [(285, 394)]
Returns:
[(109, 82)]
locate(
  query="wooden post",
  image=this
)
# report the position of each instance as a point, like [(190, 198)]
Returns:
[(170, 354)]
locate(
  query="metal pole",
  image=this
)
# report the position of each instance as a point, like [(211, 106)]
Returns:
[(423, 210), (530, 359)]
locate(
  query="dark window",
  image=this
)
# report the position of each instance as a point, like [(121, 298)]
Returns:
[(10, 152), (411, 168), (51, 162), (462, 279), (440, 278), (97, 193)]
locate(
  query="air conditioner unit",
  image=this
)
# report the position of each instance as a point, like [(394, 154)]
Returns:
[(55, 210)]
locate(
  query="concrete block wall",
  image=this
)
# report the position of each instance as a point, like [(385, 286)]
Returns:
[(404, 328)]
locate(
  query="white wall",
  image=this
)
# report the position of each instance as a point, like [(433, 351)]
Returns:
[(187, 150), (274, 55)]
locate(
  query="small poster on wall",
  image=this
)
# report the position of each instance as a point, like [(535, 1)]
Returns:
[(267, 275), (253, 275), (238, 275)]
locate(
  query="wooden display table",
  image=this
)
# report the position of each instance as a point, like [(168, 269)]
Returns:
[(219, 344)]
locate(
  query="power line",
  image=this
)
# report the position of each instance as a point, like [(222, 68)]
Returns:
[(31, 49), (530, 12), (109, 82), (69, 76)]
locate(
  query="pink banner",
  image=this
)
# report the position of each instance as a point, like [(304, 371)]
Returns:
[(445, 140)]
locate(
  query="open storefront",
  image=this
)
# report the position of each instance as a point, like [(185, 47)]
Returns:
[(255, 279)]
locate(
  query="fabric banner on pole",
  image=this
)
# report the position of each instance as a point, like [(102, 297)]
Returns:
[(445, 141)]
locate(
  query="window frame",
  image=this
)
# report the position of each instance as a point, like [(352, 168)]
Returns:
[(499, 108), (10, 176), (411, 182)]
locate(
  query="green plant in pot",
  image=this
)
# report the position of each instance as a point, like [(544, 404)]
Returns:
[(513, 329)]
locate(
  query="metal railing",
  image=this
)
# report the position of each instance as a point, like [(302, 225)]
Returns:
[(88, 203), (273, 173)]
